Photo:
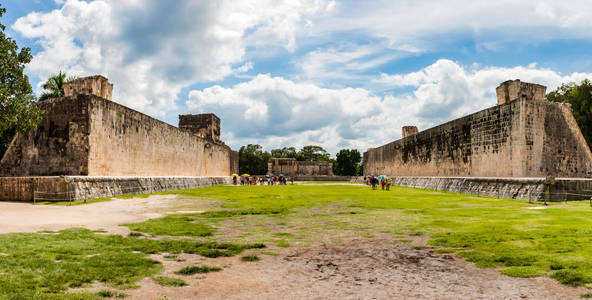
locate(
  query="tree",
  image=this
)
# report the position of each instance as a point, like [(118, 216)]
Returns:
[(54, 86), (580, 98), (347, 162), (18, 112), (313, 153), (286, 152), (253, 160)]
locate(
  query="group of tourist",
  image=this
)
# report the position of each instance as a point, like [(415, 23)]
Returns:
[(261, 180), (374, 181)]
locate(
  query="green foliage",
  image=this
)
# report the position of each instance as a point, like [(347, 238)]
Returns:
[(169, 281), (18, 112), (313, 153), (580, 98), (110, 294), (54, 86), (347, 163), (253, 160), (197, 270), (286, 152)]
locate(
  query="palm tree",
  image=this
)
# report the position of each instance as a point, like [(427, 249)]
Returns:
[(54, 86)]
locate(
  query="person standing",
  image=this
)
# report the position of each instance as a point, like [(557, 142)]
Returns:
[(388, 184)]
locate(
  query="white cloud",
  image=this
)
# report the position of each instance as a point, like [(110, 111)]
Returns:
[(418, 25), (152, 49), (275, 112)]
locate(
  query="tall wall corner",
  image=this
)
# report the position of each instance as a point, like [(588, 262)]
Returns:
[(515, 89), (97, 85), (203, 125), (409, 131)]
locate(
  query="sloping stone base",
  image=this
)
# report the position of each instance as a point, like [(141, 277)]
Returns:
[(534, 189), (72, 188)]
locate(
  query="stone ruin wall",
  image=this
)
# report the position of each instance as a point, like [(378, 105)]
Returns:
[(58, 146), (89, 135), (525, 137), (292, 168), (128, 143)]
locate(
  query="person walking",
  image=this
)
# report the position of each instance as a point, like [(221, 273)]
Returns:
[(373, 180), (388, 184), (382, 183)]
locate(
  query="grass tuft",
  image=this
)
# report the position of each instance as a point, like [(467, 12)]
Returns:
[(250, 258), (197, 270), (169, 281)]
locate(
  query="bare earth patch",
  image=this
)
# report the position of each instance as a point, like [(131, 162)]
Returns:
[(26, 217), (357, 269)]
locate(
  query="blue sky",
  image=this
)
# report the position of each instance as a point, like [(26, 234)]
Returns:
[(292, 73)]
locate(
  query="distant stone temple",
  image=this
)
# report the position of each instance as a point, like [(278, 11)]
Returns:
[(292, 168), (522, 136), (86, 134)]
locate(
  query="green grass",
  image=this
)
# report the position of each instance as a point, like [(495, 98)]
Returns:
[(169, 281), (488, 231), (197, 270), (250, 258), (45, 266)]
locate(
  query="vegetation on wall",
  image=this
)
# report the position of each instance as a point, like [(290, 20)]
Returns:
[(17, 110), (580, 98), (54, 86)]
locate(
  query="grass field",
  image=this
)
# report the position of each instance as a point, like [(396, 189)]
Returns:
[(490, 232)]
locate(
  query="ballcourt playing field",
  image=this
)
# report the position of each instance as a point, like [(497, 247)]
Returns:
[(297, 241)]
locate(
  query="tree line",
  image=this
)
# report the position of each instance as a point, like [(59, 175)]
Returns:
[(253, 159)]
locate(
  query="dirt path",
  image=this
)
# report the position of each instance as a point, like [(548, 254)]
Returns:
[(26, 217), (357, 269)]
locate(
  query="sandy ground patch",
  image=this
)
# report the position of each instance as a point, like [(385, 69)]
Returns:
[(357, 269), (26, 217)]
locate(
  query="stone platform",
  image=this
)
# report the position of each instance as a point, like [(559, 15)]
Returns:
[(73, 188), (534, 189)]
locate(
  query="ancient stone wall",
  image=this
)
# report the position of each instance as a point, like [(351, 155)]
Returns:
[(203, 125), (73, 188), (89, 135), (58, 146), (293, 168), (93, 85), (125, 142), (314, 168), (524, 137)]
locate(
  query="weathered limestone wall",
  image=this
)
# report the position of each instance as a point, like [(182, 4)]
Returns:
[(72, 188), (89, 135), (93, 85), (58, 146), (525, 137), (314, 168), (203, 125), (125, 142), (293, 168)]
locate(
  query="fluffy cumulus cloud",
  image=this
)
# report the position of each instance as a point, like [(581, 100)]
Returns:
[(275, 112), (152, 49)]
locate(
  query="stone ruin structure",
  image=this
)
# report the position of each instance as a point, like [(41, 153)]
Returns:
[(84, 136), (523, 136), (299, 169)]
